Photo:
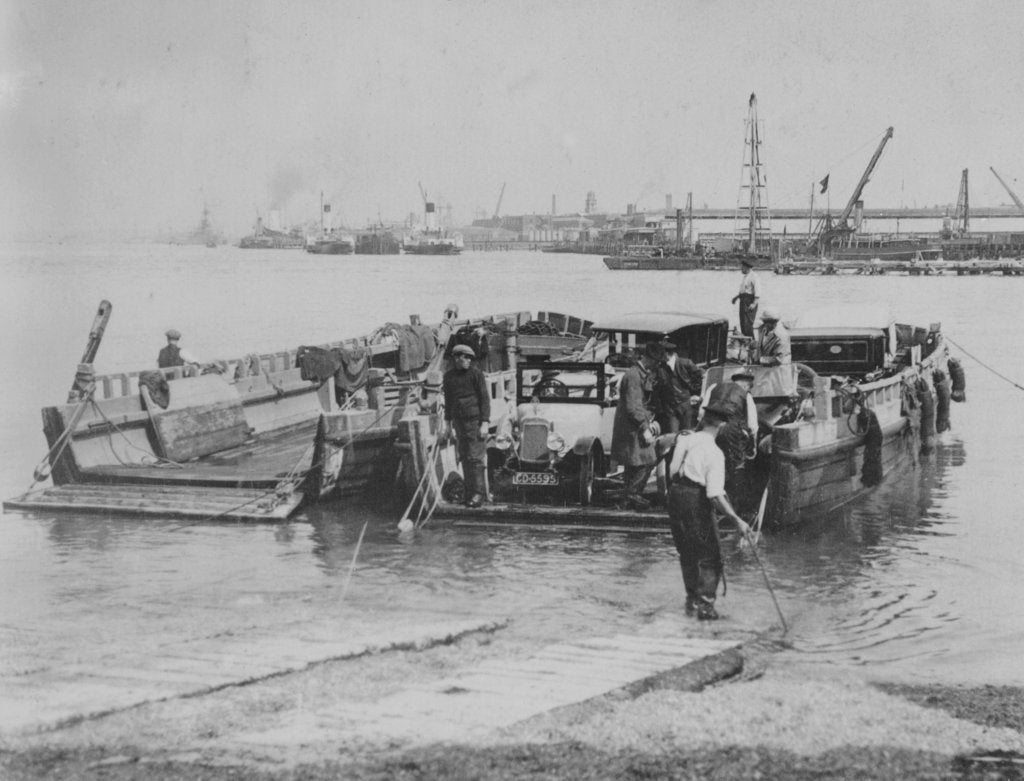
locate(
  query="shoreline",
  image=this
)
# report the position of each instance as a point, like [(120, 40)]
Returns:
[(766, 718)]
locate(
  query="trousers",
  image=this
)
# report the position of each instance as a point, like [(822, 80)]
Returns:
[(696, 539)]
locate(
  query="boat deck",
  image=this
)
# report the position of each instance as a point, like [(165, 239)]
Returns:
[(259, 462), (180, 501), (233, 485)]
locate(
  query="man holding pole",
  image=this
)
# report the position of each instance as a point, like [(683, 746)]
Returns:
[(697, 476)]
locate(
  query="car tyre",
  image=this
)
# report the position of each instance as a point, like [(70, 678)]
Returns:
[(585, 479)]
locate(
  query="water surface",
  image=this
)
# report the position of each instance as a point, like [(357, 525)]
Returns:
[(918, 581)]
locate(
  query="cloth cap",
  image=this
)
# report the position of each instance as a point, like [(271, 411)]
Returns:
[(743, 375), (746, 264), (770, 314), (463, 349), (173, 334), (668, 344), (718, 411)]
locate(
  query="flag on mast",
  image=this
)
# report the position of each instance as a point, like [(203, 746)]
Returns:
[(824, 184), (327, 208)]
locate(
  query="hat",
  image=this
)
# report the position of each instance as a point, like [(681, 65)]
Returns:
[(667, 344), (173, 334), (746, 263), (717, 411), (463, 349), (770, 314), (654, 350), (742, 375)]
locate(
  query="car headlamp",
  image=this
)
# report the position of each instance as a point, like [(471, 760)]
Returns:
[(503, 440), (556, 442)]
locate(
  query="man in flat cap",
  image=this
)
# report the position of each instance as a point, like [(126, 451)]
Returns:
[(748, 296), (467, 413), (773, 346), (173, 355)]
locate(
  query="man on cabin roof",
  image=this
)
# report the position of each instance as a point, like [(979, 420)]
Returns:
[(173, 355), (748, 296), (467, 413)]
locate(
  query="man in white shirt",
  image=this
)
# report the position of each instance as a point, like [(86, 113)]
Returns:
[(748, 296), (697, 474)]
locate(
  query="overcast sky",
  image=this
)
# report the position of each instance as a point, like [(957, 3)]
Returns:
[(129, 115)]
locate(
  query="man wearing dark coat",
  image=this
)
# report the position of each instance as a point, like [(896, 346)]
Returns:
[(634, 432), (679, 386), (467, 411)]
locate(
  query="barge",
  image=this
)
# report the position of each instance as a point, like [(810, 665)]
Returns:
[(254, 437), (862, 398)]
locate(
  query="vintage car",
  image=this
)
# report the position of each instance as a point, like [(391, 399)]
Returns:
[(558, 432)]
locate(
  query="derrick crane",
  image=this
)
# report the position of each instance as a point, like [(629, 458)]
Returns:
[(497, 209), (962, 215), (828, 233), (1013, 195)]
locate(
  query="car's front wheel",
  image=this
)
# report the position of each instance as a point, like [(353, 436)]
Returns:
[(585, 479)]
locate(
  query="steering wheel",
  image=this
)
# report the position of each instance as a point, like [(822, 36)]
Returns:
[(551, 388)]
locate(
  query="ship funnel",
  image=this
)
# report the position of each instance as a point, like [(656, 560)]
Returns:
[(431, 217)]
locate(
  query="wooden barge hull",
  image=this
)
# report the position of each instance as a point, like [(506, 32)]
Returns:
[(809, 484)]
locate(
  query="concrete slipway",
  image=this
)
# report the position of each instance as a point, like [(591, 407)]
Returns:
[(41, 696)]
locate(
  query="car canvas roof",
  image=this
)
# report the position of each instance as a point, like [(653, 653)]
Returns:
[(656, 322)]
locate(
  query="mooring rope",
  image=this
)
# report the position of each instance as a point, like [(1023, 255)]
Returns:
[(44, 468), (984, 365)]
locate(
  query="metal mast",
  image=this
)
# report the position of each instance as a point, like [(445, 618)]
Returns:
[(753, 220), (962, 215)]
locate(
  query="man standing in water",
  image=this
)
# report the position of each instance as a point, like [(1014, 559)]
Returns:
[(467, 412), (748, 296), (697, 473)]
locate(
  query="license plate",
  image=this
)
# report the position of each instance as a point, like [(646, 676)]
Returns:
[(534, 478)]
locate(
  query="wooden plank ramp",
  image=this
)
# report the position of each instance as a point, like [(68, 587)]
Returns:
[(501, 692), (555, 517), (167, 501)]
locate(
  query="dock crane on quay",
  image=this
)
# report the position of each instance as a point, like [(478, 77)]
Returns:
[(829, 234), (1006, 187), (960, 225)]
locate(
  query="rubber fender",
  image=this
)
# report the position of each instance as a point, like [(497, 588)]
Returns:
[(871, 472), (927, 409), (942, 396), (956, 374)]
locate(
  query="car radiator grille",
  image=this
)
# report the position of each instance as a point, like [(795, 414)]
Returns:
[(535, 441)]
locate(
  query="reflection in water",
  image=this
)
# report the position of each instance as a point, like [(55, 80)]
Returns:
[(862, 582)]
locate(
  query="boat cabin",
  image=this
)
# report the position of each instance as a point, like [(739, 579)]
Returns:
[(701, 338), (858, 341)]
